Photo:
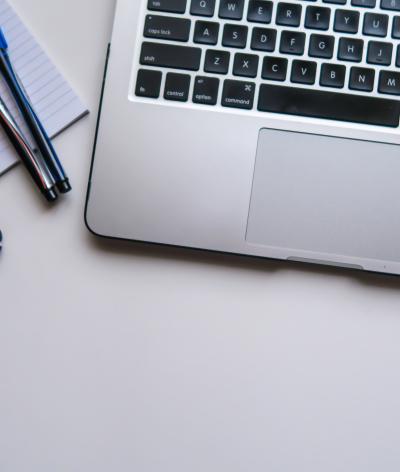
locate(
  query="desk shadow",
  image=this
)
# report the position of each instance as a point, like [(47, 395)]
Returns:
[(238, 262)]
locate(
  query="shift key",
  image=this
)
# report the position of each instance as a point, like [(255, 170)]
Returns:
[(171, 56)]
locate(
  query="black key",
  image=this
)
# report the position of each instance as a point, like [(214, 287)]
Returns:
[(167, 55), (379, 53), (205, 90), (217, 62), (398, 56), (303, 72), (390, 5), (260, 11), (329, 105), (350, 49), (202, 7), (167, 27), (172, 6), (263, 39), (288, 14), (148, 83), (238, 94), (177, 87), (245, 65), (337, 2), (346, 21), (321, 45), (292, 42), (235, 36), (389, 82), (362, 79), (375, 24), (206, 32), (274, 68), (231, 9), (364, 3), (317, 18), (396, 27), (332, 75)]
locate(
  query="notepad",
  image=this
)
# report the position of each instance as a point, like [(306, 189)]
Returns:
[(52, 97)]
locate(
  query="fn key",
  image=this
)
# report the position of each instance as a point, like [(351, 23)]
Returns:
[(148, 83)]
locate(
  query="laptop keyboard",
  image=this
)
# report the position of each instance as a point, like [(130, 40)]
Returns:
[(332, 59)]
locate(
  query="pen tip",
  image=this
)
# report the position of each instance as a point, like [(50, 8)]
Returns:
[(50, 195), (3, 41), (64, 186)]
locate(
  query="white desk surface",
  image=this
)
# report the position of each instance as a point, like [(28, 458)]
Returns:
[(323, 345)]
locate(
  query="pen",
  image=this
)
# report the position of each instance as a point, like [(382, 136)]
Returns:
[(32, 162), (35, 126)]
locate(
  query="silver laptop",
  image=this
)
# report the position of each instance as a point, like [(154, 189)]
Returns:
[(253, 127)]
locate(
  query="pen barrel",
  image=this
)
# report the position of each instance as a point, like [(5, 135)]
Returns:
[(36, 169), (35, 126)]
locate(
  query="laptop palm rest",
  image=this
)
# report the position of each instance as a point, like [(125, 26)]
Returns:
[(326, 196)]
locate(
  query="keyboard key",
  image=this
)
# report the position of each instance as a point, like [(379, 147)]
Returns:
[(274, 68), (206, 32), (396, 27), (332, 75), (235, 36), (329, 105), (167, 55), (217, 62), (375, 24), (321, 45), (263, 39), (350, 49), (238, 94), (292, 42), (317, 18), (379, 53), (346, 21), (205, 90), (389, 82), (202, 7), (390, 5), (177, 87), (167, 27), (362, 79), (231, 9), (398, 56), (260, 11), (337, 2), (148, 83), (363, 3), (245, 65), (303, 72), (171, 6), (288, 14)]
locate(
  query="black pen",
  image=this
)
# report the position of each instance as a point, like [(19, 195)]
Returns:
[(35, 126), (32, 162)]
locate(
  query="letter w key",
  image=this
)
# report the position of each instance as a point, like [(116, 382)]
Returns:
[(231, 9)]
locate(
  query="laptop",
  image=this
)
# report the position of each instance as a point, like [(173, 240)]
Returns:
[(253, 127)]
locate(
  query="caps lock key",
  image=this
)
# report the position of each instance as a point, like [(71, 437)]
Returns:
[(167, 27)]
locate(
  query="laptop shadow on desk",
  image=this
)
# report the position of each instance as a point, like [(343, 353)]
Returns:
[(122, 248)]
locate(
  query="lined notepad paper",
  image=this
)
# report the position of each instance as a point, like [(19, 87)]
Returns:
[(53, 99)]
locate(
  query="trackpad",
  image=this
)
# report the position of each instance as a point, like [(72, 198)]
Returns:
[(326, 195)]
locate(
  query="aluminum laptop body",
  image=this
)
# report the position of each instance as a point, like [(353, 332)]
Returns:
[(189, 154)]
